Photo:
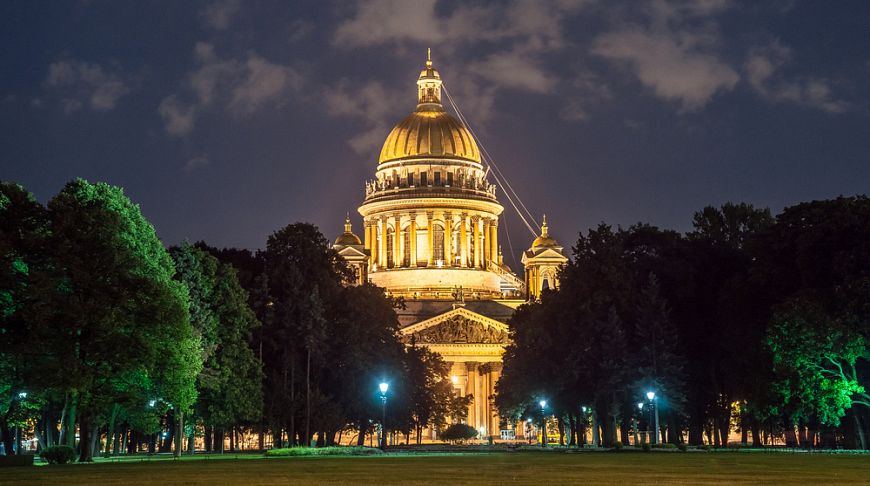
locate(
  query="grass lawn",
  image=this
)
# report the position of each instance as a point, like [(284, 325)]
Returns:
[(457, 469)]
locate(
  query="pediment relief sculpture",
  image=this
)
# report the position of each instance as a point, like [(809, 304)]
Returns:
[(460, 330)]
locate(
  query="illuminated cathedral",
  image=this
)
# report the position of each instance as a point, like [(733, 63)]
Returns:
[(430, 235)]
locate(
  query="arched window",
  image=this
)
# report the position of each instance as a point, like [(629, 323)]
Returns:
[(438, 242), (390, 250)]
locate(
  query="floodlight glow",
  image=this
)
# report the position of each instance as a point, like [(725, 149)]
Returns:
[(22, 395), (384, 387), (650, 395), (543, 403), (454, 379)]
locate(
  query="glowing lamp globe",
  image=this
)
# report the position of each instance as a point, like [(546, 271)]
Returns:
[(384, 387), (650, 395)]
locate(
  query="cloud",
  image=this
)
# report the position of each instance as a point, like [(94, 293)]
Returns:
[(196, 163), (587, 90), (763, 72), (81, 84), (260, 83), (380, 21), (178, 118), (240, 87), (525, 30), (516, 70), (219, 14), (676, 66), (368, 101)]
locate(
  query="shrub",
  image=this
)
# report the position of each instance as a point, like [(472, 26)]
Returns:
[(58, 454), (645, 446), (617, 446), (322, 451), (682, 446), (666, 445), (458, 433)]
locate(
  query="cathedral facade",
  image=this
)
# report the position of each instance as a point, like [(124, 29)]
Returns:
[(431, 219)]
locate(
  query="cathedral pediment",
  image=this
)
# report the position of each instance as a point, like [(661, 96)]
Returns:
[(458, 326)]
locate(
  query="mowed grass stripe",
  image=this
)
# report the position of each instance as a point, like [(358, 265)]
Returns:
[(459, 469)]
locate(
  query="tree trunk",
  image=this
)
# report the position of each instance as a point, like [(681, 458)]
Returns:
[(179, 433), (261, 437), (696, 429), (361, 438), (113, 415), (308, 397), (291, 432), (756, 437), (790, 437), (71, 420), (560, 423), (8, 436), (596, 435), (572, 430), (625, 428), (84, 438), (862, 440)]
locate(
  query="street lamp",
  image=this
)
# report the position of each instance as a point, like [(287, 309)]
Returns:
[(651, 395), (637, 424), (384, 387), (529, 429), (543, 404)]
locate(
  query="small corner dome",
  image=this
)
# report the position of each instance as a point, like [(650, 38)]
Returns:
[(544, 241), (348, 237)]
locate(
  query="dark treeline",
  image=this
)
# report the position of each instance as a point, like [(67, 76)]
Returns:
[(748, 323), (110, 343)]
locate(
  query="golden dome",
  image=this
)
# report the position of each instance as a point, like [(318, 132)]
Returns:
[(544, 240), (348, 237), (429, 131), (429, 134)]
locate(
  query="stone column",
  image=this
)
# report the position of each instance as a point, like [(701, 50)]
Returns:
[(481, 398), (493, 239), (475, 240), (448, 239), (487, 254), (430, 234), (494, 375), (471, 389), (367, 237), (412, 228), (367, 241), (463, 240), (382, 247), (397, 238), (373, 229)]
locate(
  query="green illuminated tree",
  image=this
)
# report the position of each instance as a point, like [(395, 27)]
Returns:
[(117, 311), (23, 232)]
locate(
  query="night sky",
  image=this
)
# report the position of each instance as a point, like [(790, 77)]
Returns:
[(227, 120)]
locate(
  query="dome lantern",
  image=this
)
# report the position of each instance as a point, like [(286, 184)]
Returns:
[(429, 87)]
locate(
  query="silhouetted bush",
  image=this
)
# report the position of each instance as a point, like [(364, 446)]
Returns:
[(58, 454)]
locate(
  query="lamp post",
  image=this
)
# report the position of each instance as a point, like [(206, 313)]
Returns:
[(651, 395), (637, 424), (384, 387), (543, 404), (529, 430)]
